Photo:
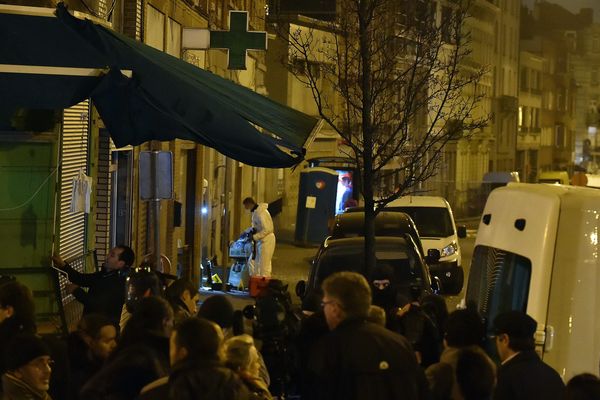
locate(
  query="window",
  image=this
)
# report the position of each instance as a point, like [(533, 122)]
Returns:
[(524, 79), (173, 42), (560, 139), (498, 281), (430, 221), (154, 33), (596, 44), (447, 27), (299, 66), (560, 100), (401, 257), (526, 117)]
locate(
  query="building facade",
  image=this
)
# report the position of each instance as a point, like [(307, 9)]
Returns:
[(205, 213), (530, 110)]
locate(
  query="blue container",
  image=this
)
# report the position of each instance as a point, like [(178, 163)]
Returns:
[(316, 204)]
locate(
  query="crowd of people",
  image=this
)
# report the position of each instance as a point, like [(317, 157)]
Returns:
[(146, 338)]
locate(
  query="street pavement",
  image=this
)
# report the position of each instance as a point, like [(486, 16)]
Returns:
[(292, 264)]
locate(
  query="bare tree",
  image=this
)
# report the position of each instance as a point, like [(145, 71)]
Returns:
[(394, 79)]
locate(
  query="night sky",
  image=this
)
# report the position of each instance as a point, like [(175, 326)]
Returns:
[(574, 5)]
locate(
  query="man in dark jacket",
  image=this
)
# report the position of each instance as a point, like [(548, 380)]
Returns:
[(106, 288), (29, 367), (194, 352), (523, 375), (359, 359), (17, 315)]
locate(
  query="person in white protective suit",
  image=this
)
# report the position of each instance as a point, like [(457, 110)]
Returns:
[(262, 234)]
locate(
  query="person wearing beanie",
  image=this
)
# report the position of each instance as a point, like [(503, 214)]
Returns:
[(522, 375), (28, 369), (219, 310)]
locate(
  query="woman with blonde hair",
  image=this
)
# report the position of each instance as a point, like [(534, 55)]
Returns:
[(242, 356)]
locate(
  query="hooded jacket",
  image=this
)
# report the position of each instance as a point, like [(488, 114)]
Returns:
[(262, 222)]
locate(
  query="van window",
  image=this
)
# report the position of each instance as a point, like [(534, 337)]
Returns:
[(430, 221), (498, 281)]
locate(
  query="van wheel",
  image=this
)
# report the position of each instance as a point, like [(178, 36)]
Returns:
[(454, 285)]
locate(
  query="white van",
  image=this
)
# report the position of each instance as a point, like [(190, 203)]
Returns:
[(538, 250), (556, 177), (435, 222), (593, 181)]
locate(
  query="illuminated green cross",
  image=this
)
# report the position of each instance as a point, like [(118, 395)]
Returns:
[(238, 40)]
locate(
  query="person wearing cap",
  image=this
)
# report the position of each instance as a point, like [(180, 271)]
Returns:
[(522, 375), (28, 369)]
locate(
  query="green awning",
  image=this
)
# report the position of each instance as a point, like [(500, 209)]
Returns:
[(166, 98)]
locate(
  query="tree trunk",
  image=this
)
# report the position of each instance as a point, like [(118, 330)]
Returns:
[(366, 55)]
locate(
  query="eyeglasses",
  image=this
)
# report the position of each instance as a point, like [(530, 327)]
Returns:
[(324, 303)]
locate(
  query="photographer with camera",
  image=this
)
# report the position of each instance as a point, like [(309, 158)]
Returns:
[(141, 283)]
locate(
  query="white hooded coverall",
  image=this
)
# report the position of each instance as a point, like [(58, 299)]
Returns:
[(265, 241)]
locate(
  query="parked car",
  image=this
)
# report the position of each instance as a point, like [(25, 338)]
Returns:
[(434, 220), (344, 251), (387, 223)]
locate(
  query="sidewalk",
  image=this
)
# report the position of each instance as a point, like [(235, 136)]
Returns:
[(290, 264), (470, 223)]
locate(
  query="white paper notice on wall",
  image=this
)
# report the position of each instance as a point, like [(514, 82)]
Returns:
[(311, 201)]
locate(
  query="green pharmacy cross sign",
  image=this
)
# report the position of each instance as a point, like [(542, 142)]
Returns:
[(237, 40)]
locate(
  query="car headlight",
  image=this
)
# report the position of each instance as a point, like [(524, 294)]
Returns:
[(449, 250)]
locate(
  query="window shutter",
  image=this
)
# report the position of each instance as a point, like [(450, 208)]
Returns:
[(74, 155)]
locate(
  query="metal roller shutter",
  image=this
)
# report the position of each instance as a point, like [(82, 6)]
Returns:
[(74, 155)]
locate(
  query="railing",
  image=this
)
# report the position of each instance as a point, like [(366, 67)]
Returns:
[(70, 309)]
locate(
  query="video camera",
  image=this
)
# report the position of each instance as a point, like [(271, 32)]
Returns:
[(276, 325)]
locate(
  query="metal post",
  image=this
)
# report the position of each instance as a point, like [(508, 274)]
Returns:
[(225, 226), (156, 207)]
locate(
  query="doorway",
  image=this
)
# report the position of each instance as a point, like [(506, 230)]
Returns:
[(121, 197)]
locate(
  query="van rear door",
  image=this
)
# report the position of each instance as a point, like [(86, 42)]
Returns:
[(514, 251)]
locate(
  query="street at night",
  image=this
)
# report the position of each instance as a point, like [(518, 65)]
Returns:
[(300, 199)]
